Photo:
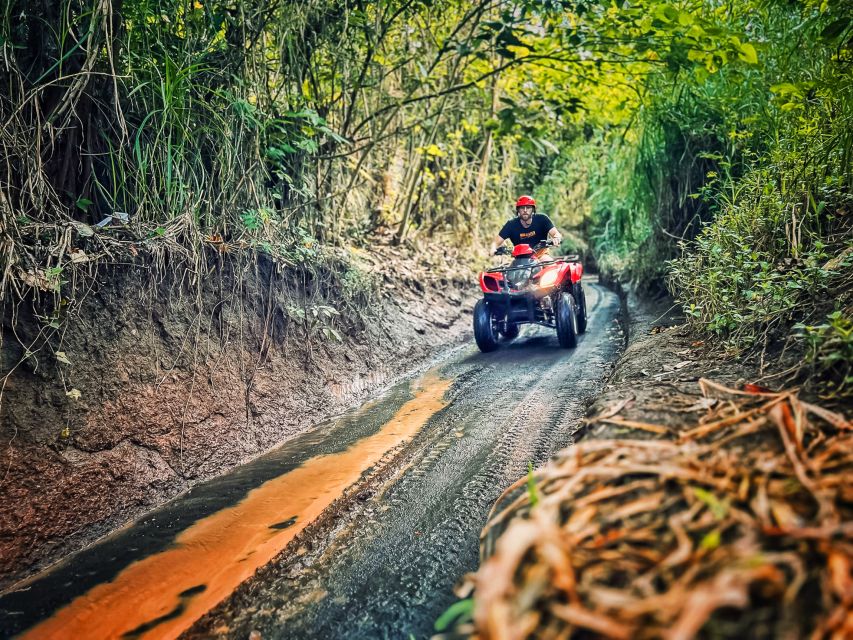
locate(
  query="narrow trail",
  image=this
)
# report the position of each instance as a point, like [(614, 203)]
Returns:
[(388, 571), (382, 561)]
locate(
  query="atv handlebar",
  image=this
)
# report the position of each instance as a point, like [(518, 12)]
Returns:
[(503, 250)]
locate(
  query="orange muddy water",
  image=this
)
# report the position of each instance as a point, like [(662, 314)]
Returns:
[(163, 594)]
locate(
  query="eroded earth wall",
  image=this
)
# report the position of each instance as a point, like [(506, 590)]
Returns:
[(149, 388)]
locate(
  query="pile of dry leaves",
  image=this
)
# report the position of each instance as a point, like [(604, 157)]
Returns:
[(738, 526)]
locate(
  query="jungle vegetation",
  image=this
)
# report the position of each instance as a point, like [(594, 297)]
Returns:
[(703, 145)]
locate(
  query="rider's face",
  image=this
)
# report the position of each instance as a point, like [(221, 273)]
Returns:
[(525, 213)]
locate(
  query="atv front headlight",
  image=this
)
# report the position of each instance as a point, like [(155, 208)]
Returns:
[(548, 278)]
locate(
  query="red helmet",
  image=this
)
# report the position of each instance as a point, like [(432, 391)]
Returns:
[(525, 201)]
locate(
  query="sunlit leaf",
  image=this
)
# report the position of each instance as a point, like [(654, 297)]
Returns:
[(748, 54)]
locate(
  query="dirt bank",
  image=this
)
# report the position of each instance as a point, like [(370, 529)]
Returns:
[(150, 388)]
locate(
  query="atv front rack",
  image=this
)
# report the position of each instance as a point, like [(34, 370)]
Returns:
[(504, 268)]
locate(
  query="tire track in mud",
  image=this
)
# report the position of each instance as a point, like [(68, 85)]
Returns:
[(387, 570)]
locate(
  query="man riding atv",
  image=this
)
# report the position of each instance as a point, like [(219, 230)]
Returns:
[(528, 227), (534, 288)]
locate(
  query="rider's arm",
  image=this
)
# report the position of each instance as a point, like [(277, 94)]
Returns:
[(497, 242), (554, 236)]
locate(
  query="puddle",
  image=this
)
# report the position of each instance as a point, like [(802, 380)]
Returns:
[(163, 594)]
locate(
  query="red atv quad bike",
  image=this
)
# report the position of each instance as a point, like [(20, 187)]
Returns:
[(529, 290)]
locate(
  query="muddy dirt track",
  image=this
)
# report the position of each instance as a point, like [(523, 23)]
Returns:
[(381, 562), (389, 570)]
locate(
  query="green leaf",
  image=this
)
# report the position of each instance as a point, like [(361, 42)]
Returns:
[(532, 493), (747, 53), (719, 509), (332, 334), (461, 611), (666, 13), (307, 145), (696, 55), (434, 150), (711, 540), (83, 203), (786, 88)]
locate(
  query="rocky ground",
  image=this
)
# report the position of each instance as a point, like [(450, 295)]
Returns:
[(150, 391)]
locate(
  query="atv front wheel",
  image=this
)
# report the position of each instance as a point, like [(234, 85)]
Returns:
[(580, 298), (511, 332), (567, 326), (484, 328)]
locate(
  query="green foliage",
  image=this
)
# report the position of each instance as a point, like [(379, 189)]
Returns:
[(830, 351), (759, 265), (458, 613), (358, 287), (532, 492), (775, 259), (252, 219), (317, 320), (644, 128), (733, 153)]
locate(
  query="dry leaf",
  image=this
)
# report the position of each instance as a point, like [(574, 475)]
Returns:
[(612, 410), (36, 280), (633, 424)]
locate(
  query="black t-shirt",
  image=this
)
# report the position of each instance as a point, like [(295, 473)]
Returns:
[(538, 230)]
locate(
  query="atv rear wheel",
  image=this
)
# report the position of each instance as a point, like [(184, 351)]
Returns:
[(511, 332), (580, 298), (567, 326), (484, 328)]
